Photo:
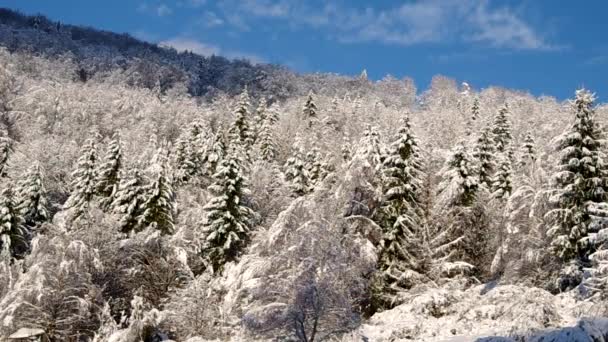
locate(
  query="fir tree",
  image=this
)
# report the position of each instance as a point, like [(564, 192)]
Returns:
[(484, 153), (502, 129), (227, 219), (267, 145), (85, 180), (272, 114), (129, 199), (13, 236), (597, 282), (503, 185), (475, 110), (215, 154), (314, 164), (528, 151), (158, 207), (31, 192), (370, 147), (108, 174), (459, 183), (296, 174), (241, 130), (185, 166), (6, 148), (260, 112), (310, 109), (581, 184)]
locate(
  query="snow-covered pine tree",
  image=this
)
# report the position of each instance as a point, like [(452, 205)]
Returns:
[(581, 184), (370, 147), (241, 129), (6, 148), (197, 141), (129, 199), (501, 129), (108, 173), (484, 153), (268, 148), (475, 110), (158, 207), (310, 108), (272, 114), (227, 219), (32, 202), (260, 112), (215, 154), (13, 236), (85, 179), (346, 151), (185, 166), (460, 182), (528, 151), (314, 165), (597, 282), (296, 173), (503, 185)]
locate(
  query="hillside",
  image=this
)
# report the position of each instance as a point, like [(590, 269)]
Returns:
[(332, 209)]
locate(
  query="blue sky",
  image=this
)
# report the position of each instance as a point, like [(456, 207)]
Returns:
[(542, 46)]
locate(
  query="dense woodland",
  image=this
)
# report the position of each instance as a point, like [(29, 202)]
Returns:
[(134, 211)]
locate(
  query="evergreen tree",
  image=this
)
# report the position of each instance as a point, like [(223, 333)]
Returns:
[(227, 219), (241, 130), (272, 114), (346, 151), (296, 174), (108, 174), (528, 150), (475, 110), (260, 112), (85, 179), (502, 129), (459, 183), (129, 200), (6, 148), (503, 185), (215, 154), (267, 144), (185, 166), (32, 203), (158, 206), (310, 109), (370, 147), (13, 236), (484, 153), (314, 164), (597, 282), (581, 184)]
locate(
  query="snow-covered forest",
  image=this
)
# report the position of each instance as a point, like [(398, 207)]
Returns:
[(341, 209)]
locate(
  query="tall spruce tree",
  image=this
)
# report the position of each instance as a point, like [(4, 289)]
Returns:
[(503, 185), (108, 173), (528, 151), (268, 148), (296, 173), (501, 129), (85, 180), (484, 153), (370, 147), (215, 154), (227, 219), (241, 128), (185, 166), (13, 236), (460, 182), (32, 202), (6, 148), (310, 108), (158, 207), (129, 200), (475, 110), (581, 184)]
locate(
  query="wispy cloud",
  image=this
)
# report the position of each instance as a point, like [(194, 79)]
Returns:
[(160, 10), (186, 44), (163, 10), (415, 22)]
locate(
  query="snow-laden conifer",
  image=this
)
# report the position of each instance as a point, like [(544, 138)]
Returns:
[(13, 236), (268, 148), (158, 207), (310, 108), (296, 173), (31, 193), (6, 148), (580, 183), (227, 218), (241, 128), (460, 182), (108, 173), (370, 147), (503, 184), (501, 129), (528, 150), (85, 180), (484, 153), (129, 199)]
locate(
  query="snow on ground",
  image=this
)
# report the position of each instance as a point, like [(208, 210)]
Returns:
[(457, 315)]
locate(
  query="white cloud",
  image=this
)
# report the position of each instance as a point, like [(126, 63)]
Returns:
[(414, 22), (182, 44), (163, 10), (210, 19)]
